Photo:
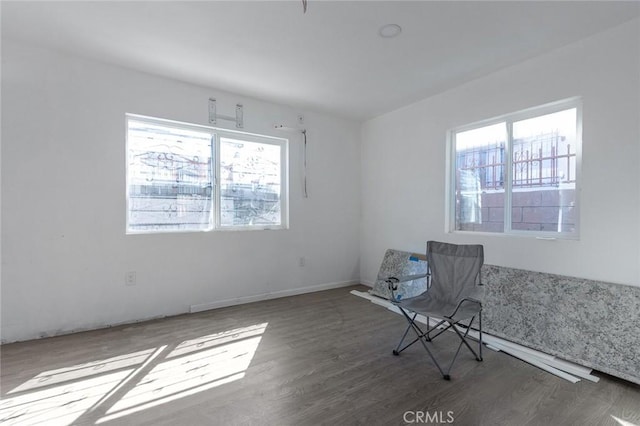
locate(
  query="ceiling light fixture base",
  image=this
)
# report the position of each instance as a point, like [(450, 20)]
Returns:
[(389, 30)]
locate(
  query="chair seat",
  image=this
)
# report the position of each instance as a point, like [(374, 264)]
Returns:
[(427, 305)]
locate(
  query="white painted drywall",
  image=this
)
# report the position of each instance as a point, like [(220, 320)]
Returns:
[(403, 162), (64, 248)]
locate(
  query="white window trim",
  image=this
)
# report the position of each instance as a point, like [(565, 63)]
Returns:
[(216, 133), (450, 170)]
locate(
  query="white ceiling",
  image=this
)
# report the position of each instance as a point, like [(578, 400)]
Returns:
[(330, 59)]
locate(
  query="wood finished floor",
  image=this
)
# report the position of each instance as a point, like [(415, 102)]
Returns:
[(323, 358)]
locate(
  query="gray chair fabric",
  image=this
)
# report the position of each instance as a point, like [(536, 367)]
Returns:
[(454, 282), (454, 294)]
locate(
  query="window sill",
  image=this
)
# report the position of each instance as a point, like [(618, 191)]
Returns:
[(538, 235)]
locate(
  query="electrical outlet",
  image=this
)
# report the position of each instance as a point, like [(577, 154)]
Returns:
[(130, 278), (300, 119), (302, 261)]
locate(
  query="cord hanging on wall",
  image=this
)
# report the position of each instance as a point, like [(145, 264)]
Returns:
[(305, 193), (304, 157), (214, 116)]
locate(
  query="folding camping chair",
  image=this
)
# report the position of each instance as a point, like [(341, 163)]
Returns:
[(454, 294)]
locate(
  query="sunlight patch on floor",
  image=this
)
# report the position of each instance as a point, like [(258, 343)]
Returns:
[(51, 377), (623, 422), (125, 384), (61, 404), (185, 375), (217, 339)]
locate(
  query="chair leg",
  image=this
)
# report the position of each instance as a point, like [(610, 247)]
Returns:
[(412, 325), (463, 338), (435, 361), (480, 335), (454, 357), (421, 335), (397, 350), (424, 337), (463, 341)]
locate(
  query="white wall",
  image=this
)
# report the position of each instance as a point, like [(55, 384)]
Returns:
[(403, 162), (64, 248), (65, 253)]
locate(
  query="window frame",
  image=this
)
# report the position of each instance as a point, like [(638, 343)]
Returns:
[(509, 120), (284, 178), (216, 134)]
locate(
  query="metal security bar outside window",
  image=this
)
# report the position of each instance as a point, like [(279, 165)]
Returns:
[(540, 161)]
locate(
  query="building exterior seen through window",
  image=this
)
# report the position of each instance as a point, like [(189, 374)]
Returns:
[(519, 174), (250, 183), (183, 177)]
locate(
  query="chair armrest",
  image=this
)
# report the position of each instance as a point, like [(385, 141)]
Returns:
[(467, 300)]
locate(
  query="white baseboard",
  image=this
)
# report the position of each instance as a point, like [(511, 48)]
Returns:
[(266, 296), (367, 283)]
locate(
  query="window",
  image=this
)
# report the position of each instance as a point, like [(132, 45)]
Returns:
[(518, 173), (250, 182), (183, 177)]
